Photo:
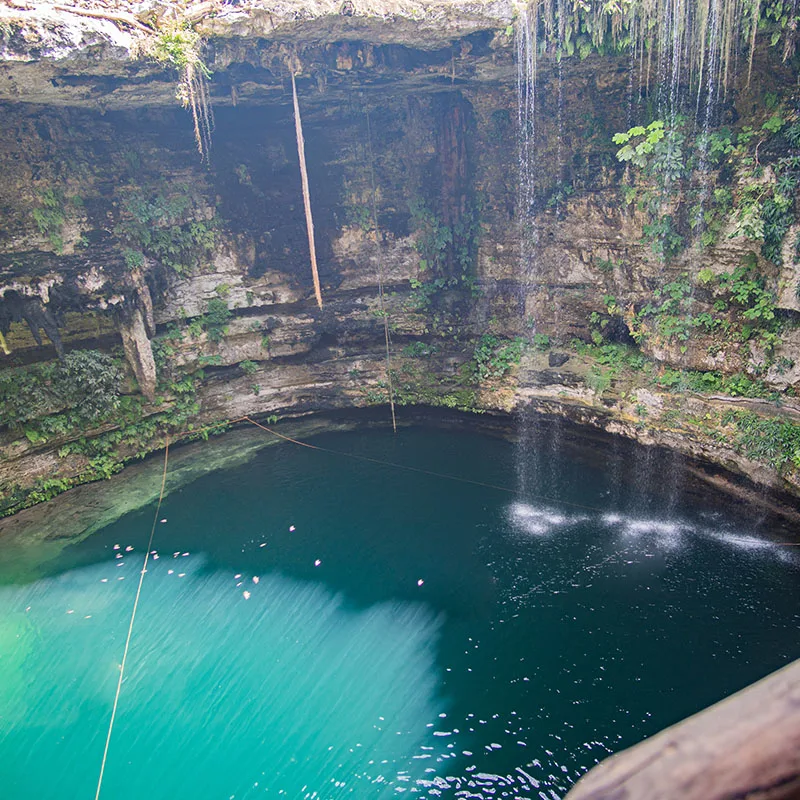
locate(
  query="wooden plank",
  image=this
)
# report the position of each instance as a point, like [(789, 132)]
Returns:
[(746, 746)]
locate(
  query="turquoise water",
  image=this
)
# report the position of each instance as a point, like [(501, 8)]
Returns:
[(322, 627)]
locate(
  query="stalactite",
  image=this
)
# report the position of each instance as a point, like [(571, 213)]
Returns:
[(301, 155), (39, 318)]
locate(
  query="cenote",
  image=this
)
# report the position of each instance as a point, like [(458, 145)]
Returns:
[(316, 625)]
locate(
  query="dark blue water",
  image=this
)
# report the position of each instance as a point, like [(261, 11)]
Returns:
[(318, 627)]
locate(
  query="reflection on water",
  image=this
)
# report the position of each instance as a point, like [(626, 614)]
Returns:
[(320, 628)]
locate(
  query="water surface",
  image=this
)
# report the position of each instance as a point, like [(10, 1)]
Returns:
[(317, 626)]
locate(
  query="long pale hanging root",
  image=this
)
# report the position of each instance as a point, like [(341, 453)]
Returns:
[(206, 113), (198, 100), (301, 155), (191, 98)]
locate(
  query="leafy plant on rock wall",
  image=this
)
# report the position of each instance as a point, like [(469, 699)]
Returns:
[(438, 246), (658, 153), (579, 28), (60, 396), (558, 196), (764, 163), (639, 143), (755, 304), (765, 198), (86, 387), (493, 357), (359, 216), (50, 216), (215, 321), (157, 224), (178, 46), (710, 217), (773, 441), (433, 237)]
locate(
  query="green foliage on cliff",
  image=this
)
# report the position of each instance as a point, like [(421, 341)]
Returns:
[(643, 26), (658, 152), (447, 252), (433, 237), (87, 382), (713, 382), (765, 202), (178, 46), (418, 349), (493, 357), (215, 321), (160, 225), (760, 165), (50, 216), (136, 428), (639, 143), (746, 287), (770, 440), (744, 309)]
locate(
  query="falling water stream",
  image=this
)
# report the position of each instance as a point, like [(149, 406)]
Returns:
[(315, 626)]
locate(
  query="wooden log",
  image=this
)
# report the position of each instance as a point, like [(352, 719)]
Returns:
[(746, 746)]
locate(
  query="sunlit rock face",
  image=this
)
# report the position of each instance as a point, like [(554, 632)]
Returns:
[(115, 231)]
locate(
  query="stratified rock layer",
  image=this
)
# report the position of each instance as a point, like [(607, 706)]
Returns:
[(115, 234)]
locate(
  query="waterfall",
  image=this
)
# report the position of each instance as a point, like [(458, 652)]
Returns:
[(526, 44), (704, 117), (526, 53), (682, 56)]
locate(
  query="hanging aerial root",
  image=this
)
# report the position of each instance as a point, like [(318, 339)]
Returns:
[(301, 155), (195, 97), (179, 46)]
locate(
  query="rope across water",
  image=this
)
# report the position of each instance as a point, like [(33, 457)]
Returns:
[(130, 626)]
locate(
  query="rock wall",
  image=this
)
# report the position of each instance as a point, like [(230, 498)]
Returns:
[(117, 238)]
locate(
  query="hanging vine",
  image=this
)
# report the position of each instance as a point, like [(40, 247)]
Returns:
[(694, 36), (178, 45)]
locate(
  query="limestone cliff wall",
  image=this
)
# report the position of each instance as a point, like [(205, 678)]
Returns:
[(195, 276)]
